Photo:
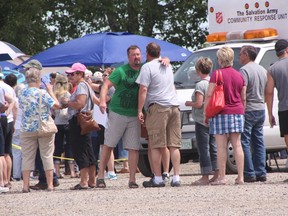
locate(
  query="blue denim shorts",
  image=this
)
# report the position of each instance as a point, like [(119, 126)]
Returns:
[(227, 123)]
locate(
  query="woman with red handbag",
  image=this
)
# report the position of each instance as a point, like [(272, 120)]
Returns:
[(229, 122)]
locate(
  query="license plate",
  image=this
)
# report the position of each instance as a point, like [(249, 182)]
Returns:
[(186, 144)]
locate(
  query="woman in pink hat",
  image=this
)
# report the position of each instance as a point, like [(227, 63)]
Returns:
[(82, 99)]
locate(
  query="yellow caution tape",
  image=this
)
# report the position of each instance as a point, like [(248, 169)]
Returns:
[(16, 146), (71, 159), (63, 158)]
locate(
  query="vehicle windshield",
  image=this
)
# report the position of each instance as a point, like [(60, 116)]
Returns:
[(186, 77)]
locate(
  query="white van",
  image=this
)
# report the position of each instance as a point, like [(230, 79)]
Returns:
[(186, 77)]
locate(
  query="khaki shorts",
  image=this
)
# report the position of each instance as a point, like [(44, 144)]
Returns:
[(163, 126)]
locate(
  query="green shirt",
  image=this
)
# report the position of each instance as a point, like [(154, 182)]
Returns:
[(125, 99)]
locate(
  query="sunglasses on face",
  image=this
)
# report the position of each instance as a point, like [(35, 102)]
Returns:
[(72, 74), (104, 75)]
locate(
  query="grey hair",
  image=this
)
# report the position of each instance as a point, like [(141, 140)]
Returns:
[(33, 75), (225, 57)]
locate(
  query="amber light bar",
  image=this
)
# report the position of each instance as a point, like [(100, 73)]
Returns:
[(257, 34)]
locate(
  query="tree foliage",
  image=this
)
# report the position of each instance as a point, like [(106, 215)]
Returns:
[(33, 25)]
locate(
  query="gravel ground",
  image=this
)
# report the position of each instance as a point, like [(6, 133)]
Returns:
[(269, 198)]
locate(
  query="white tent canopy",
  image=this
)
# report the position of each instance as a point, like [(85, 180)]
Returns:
[(9, 51)]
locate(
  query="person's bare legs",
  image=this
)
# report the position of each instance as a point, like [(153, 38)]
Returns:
[(126, 165), (166, 160), (221, 142), (165, 155), (26, 178), (1, 173), (4, 171), (57, 168), (175, 159), (72, 169), (110, 163), (92, 174), (9, 167), (235, 139), (150, 159), (286, 139), (215, 176), (84, 176), (156, 158), (133, 158), (49, 179), (104, 158)]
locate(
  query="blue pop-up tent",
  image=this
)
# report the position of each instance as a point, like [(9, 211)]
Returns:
[(7, 65), (104, 49)]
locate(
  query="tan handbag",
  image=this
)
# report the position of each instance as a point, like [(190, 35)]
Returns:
[(46, 128)]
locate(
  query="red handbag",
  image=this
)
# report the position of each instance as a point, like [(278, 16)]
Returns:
[(217, 101)]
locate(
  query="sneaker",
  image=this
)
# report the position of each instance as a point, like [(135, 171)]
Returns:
[(32, 176), (261, 178), (111, 176), (4, 189), (249, 179), (151, 183), (175, 184), (165, 177), (56, 183)]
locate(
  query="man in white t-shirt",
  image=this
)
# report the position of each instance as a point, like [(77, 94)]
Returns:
[(163, 115)]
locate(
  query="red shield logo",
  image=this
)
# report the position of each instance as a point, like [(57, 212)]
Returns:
[(219, 17)]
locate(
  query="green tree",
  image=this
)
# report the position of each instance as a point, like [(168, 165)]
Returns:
[(22, 24), (33, 25)]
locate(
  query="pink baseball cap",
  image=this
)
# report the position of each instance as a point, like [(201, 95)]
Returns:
[(76, 67)]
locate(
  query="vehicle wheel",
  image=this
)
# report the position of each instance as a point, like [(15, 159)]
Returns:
[(185, 159), (144, 166), (231, 163)]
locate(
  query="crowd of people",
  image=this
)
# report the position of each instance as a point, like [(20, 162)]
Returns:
[(127, 97)]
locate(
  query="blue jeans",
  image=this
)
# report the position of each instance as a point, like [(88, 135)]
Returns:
[(207, 149), (39, 166), (252, 138), (122, 153)]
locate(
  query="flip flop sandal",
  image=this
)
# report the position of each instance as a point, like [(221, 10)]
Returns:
[(133, 185), (91, 186), (78, 187), (100, 183), (199, 183), (237, 182), (25, 190), (123, 171), (218, 182)]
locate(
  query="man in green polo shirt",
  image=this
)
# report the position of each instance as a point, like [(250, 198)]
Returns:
[(122, 120)]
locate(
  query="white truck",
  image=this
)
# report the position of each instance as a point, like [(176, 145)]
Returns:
[(232, 23)]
